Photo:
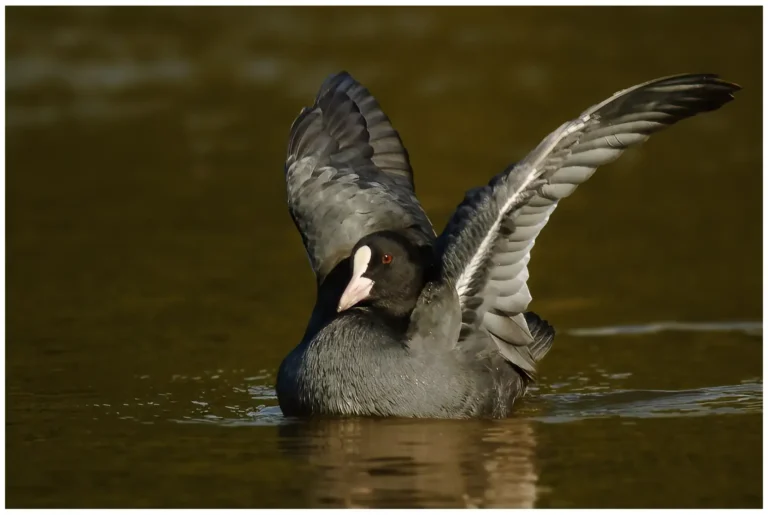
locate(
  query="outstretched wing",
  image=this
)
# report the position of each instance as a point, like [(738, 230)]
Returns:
[(487, 243), (348, 175)]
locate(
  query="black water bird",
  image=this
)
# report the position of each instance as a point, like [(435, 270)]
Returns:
[(406, 322)]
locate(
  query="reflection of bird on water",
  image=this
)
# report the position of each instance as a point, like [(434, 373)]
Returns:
[(362, 462)]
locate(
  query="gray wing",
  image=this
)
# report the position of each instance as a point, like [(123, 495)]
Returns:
[(487, 243), (348, 175)]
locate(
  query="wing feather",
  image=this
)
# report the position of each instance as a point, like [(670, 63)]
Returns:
[(348, 175), (487, 243)]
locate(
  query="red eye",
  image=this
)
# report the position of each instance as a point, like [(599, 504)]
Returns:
[(386, 259)]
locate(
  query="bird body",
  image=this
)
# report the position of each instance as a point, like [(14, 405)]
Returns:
[(414, 324)]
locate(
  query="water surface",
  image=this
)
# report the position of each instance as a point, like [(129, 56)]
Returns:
[(155, 280)]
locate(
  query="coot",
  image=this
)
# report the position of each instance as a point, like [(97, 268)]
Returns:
[(408, 323)]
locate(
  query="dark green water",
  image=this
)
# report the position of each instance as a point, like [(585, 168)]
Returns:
[(155, 279)]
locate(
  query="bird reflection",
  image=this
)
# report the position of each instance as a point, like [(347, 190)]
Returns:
[(412, 463)]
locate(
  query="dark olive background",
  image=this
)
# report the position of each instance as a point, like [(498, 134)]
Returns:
[(155, 279)]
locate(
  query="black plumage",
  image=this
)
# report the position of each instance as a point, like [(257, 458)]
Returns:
[(407, 323)]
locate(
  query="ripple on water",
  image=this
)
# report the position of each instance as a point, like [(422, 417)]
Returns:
[(751, 328), (587, 403), (745, 397), (235, 398), (256, 404)]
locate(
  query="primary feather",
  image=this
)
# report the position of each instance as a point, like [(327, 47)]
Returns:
[(348, 175), (486, 245)]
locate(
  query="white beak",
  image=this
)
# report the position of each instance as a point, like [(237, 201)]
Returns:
[(359, 287)]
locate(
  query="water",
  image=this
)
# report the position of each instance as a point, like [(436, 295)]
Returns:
[(155, 280)]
